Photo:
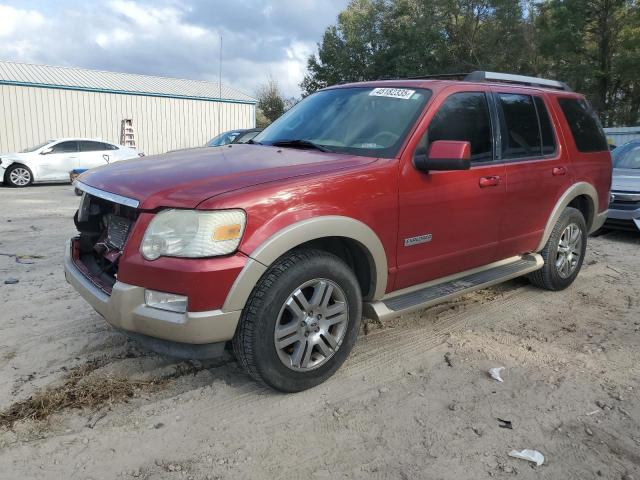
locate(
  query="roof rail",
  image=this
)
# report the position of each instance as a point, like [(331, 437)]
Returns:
[(479, 76), (434, 76)]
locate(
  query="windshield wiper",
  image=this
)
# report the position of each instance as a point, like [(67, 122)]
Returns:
[(300, 143)]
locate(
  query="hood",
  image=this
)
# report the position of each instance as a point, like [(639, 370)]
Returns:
[(9, 158), (626, 180), (183, 179)]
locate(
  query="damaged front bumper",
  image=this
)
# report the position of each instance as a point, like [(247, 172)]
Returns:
[(624, 211), (196, 334)]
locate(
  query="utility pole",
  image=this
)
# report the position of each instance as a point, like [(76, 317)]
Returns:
[(220, 89)]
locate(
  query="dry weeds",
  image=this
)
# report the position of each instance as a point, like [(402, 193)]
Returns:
[(81, 389)]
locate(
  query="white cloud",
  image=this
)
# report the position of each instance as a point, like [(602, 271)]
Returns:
[(114, 38), (12, 20), (177, 38)]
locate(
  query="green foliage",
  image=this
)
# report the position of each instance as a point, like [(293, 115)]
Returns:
[(261, 119), (271, 104), (593, 45)]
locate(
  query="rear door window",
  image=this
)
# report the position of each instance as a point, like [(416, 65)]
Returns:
[(520, 129), (584, 124), (464, 116), (87, 146)]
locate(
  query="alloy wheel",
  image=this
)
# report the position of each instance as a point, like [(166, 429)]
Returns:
[(20, 176), (311, 324), (569, 250)]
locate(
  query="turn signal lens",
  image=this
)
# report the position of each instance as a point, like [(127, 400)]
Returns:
[(227, 232)]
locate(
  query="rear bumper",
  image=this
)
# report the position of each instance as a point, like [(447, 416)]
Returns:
[(126, 309)]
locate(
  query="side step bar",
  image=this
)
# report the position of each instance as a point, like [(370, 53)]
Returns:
[(444, 289)]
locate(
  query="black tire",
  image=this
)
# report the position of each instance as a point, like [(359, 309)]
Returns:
[(254, 344), (16, 166), (549, 277)]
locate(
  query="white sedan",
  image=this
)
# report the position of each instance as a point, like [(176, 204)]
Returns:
[(53, 160)]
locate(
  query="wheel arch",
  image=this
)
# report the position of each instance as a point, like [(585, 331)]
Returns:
[(350, 239), (581, 195), (18, 163)]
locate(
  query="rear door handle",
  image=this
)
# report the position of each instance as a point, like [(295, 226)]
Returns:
[(559, 171), (491, 181)]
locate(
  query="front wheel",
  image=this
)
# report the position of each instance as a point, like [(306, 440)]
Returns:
[(563, 253), (300, 322), (18, 176)]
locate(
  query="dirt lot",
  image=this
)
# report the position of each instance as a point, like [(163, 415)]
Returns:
[(413, 401)]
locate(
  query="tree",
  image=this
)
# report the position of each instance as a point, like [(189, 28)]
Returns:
[(261, 120), (398, 38), (270, 101), (592, 45)]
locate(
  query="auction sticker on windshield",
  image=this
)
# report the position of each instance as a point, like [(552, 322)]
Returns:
[(402, 93)]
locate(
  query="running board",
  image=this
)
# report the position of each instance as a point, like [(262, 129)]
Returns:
[(444, 289)]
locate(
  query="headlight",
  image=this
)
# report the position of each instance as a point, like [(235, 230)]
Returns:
[(193, 234)]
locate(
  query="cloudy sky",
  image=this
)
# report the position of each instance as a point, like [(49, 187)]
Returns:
[(176, 38)]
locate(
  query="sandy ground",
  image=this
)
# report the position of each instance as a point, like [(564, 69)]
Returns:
[(397, 409)]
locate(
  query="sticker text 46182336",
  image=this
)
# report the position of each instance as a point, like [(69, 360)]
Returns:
[(403, 93)]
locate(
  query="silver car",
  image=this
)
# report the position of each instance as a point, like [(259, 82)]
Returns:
[(624, 209)]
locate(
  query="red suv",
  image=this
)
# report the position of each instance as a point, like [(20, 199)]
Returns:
[(373, 198)]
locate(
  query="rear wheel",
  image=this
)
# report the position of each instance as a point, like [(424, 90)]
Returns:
[(564, 252), (300, 322), (18, 176)]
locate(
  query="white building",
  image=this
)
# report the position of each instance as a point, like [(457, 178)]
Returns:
[(39, 102), (621, 135)]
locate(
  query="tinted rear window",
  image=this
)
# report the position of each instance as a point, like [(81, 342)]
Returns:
[(522, 133), (584, 124), (86, 146)]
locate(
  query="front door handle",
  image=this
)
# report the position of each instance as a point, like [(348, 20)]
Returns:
[(491, 181), (559, 171)]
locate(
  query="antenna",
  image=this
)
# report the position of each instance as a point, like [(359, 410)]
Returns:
[(220, 89)]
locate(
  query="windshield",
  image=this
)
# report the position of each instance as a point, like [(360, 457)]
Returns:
[(361, 121), (223, 139), (245, 137), (627, 156), (37, 147)]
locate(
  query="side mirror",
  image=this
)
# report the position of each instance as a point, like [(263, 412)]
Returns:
[(105, 157), (46, 151), (444, 155)]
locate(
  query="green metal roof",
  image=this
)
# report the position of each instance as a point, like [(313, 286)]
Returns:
[(68, 78)]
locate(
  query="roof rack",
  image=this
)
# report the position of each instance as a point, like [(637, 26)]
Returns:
[(479, 76), (459, 75)]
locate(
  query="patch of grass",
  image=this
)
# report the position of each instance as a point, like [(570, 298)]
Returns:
[(79, 390), (9, 355)]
